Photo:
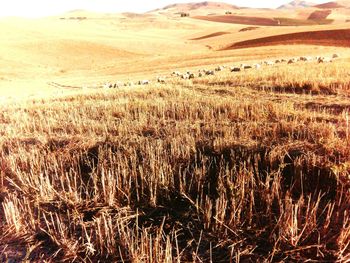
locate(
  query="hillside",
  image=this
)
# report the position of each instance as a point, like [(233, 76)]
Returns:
[(201, 5), (297, 4), (329, 5), (244, 20), (319, 14), (340, 38), (345, 3), (201, 8)]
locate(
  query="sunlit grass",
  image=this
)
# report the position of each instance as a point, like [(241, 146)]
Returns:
[(250, 166)]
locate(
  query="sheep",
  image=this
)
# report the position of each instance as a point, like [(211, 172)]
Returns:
[(324, 60), (202, 72), (292, 61), (320, 59), (305, 59), (335, 56), (209, 72), (161, 80), (257, 66), (107, 85), (277, 61), (118, 84), (219, 68), (185, 76), (283, 60), (128, 84), (235, 69), (308, 59), (269, 63), (144, 82), (243, 66), (176, 73)]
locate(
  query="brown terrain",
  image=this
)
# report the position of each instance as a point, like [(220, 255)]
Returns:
[(319, 15), (83, 48), (177, 135), (340, 38), (244, 20)]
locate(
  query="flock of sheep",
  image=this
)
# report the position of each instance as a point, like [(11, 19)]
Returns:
[(207, 72)]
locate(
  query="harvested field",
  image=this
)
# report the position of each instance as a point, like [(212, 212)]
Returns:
[(213, 170), (302, 22), (245, 20), (340, 38), (123, 141), (260, 21)]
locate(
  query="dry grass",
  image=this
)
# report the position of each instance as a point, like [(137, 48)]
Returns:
[(306, 78), (232, 168), (315, 19)]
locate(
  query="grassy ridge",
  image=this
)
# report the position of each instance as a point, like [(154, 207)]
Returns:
[(300, 78), (228, 168), (303, 22)]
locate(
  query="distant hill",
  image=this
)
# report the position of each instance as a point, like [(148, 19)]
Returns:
[(186, 7), (80, 14), (297, 4), (329, 5), (345, 3), (197, 7)]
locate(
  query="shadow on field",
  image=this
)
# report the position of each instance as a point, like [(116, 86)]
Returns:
[(222, 203)]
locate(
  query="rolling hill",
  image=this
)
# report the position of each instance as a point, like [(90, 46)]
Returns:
[(329, 5), (202, 5), (345, 3), (340, 38), (244, 20), (201, 8), (296, 4)]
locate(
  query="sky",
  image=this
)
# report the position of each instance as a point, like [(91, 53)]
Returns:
[(37, 8)]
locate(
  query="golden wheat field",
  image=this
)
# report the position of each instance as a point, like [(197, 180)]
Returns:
[(246, 166), (189, 171)]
